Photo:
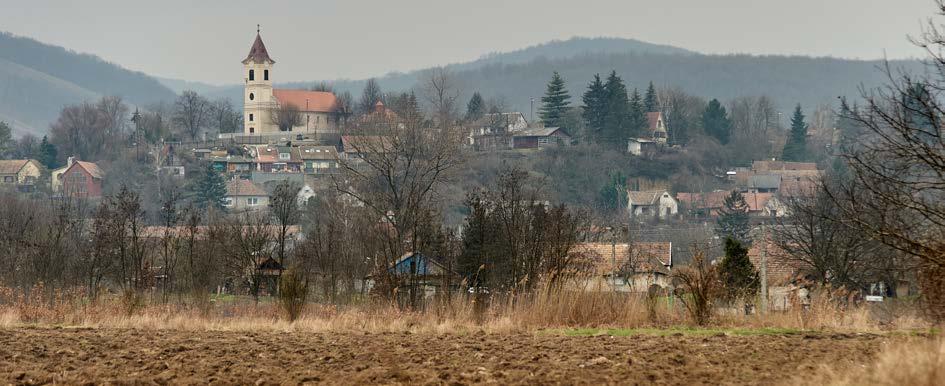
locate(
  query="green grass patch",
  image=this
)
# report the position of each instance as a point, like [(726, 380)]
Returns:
[(677, 330)]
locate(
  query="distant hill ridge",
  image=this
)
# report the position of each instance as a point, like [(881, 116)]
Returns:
[(37, 79), (520, 75)]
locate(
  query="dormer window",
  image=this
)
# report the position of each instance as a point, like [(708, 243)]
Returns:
[(252, 75), (283, 156)]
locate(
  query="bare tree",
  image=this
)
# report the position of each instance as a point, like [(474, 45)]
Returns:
[(697, 286), (401, 168), (369, 97), (284, 207), (191, 113), (286, 116), (441, 90), (224, 116)]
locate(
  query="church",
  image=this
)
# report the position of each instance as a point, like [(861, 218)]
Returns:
[(268, 111)]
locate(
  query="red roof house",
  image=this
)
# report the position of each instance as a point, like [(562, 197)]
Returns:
[(83, 179)]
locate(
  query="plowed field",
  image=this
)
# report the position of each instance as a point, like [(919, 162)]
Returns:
[(73, 355)]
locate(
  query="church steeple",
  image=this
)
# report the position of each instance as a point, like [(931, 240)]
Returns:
[(258, 53)]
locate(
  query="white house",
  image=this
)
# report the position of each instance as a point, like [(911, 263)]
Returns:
[(653, 203)]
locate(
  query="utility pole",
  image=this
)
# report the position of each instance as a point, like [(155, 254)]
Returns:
[(764, 268), (532, 113)]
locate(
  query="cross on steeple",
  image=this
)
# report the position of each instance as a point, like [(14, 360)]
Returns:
[(257, 29)]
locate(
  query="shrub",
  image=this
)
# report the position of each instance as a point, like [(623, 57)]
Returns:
[(697, 287), (293, 290)]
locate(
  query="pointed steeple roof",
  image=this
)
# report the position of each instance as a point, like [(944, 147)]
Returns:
[(258, 53)]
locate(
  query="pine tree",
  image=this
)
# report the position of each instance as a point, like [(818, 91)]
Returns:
[(650, 102), (48, 154), (616, 113), (555, 103), (476, 107), (738, 275), (733, 219), (595, 107), (715, 121), (795, 149), (613, 195), (636, 120), (210, 190), (6, 139)]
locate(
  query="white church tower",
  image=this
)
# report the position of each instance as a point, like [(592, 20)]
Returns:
[(258, 100)]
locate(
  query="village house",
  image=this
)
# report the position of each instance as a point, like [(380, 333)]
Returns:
[(317, 110), (710, 204), (20, 173), (654, 203), (82, 180), (273, 158), (540, 137), (656, 127), (492, 131), (318, 159), (245, 195), (625, 267), (640, 146)]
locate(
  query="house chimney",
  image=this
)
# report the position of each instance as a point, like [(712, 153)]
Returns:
[(70, 161)]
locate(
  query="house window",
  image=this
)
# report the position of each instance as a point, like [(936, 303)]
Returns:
[(251, 96), (252, 75), (265, 74), (542, 141), (250, 117), (8, 179), (228, 202), (252, 201), (284, 156)]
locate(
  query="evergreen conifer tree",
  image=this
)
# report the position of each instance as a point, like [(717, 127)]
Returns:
[(636, 121), (210, 190), (555, 103), (476, 107), (715, 121), (616, 113), (795, 149), (733, 219), (650, 102), (595, 107), (6, 139), (48, 154), (737, 273)]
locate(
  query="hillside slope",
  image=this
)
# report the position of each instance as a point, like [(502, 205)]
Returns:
[(37, 79)]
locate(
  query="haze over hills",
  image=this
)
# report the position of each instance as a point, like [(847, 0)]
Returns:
[(37, 80), (518, 76)]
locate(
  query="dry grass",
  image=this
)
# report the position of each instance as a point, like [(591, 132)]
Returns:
[(542, 310), (916, 362)]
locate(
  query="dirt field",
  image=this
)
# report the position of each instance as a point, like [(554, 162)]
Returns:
[(70, 355)]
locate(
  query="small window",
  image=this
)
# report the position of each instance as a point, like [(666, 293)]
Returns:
[(228, 201), (251, 96), (265, 74), (252, 75), (252, 130), (252, 201), (250, 117)]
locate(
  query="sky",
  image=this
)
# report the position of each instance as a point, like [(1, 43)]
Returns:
[(205, 40)]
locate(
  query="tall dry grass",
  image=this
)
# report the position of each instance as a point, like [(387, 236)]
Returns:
[(917, 362), (458, 313)]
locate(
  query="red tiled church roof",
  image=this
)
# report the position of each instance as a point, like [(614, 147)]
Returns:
[(316, 101)]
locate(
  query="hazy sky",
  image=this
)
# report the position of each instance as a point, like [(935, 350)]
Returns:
[(205, 40)]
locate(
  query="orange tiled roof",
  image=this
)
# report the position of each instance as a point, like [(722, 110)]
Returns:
[(313, 101), (605, 258)]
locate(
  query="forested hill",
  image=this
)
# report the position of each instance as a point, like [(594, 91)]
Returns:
[(520, 75), (37, 79)]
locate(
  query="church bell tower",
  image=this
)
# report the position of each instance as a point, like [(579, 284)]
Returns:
[(257, 94)]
